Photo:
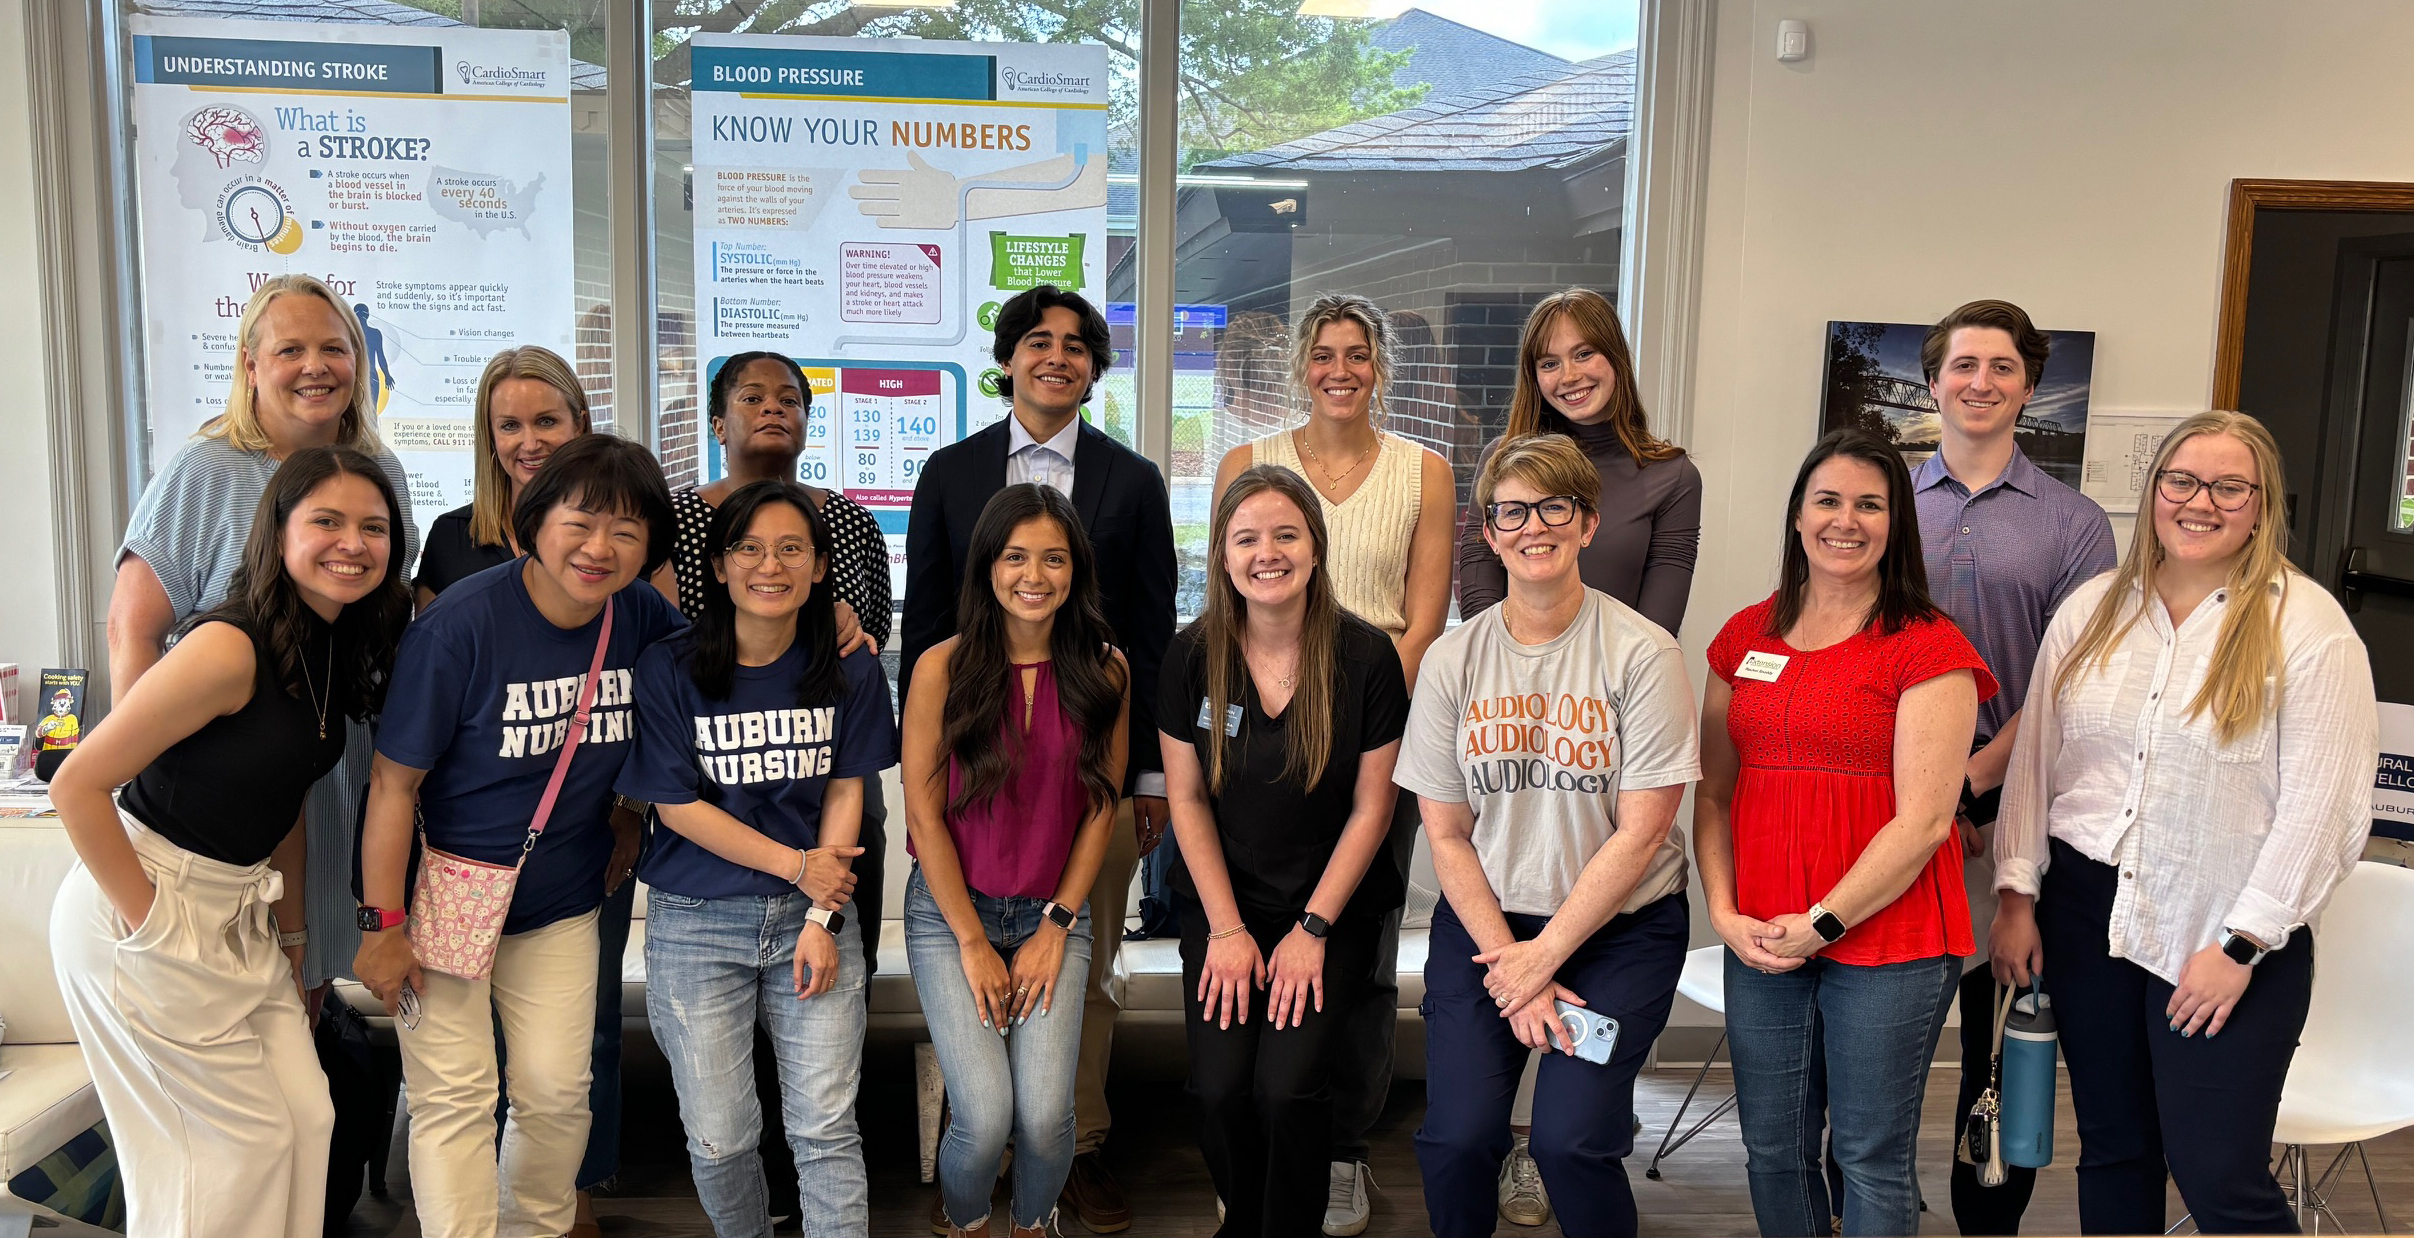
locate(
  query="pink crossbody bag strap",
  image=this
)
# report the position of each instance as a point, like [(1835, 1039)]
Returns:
[(578, 731)]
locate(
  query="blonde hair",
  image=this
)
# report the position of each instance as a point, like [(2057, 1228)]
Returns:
[(2247, 653), (1550, 463), (490, 506), (1334, 307), (1308, 719), (1596, 322), (239, 425)]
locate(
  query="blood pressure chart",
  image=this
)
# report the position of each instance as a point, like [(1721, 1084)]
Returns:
[(867, 212)]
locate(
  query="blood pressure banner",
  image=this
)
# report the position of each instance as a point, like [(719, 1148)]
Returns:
[(866, 207), (422, 172)]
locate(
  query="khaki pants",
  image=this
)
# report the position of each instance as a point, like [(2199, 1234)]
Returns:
[(1109, 897), (198, 1048), (543, 990)]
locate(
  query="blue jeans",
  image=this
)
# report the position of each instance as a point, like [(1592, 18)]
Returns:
[(1871, 1027), (1583, 1111), (1019, 1084), (715, 968)]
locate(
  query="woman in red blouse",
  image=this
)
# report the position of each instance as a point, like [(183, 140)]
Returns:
[(1833, 736)]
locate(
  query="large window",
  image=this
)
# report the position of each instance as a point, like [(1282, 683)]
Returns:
[(1454, 162)]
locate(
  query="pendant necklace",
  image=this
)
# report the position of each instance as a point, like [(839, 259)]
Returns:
[(318, 702)]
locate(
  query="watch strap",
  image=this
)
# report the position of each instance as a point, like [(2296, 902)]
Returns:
[(1827, 924), (831, 921), (1060, 915), (379, 919), (2240, 950), (1316, 926)]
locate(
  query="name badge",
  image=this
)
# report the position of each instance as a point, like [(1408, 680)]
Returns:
[(1764, 667), (1232, 719)]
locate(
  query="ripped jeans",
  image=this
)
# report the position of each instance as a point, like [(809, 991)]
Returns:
[(716, 967)]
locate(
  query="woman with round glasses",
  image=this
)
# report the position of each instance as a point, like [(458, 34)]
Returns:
[(1549, 741), (755, 736), (2182, 799), (1575, 376)]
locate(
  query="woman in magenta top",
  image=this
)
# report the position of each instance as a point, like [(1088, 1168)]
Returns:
[(1013, 754), (1834, 731)]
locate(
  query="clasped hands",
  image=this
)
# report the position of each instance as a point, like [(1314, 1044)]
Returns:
[(1520, 976)]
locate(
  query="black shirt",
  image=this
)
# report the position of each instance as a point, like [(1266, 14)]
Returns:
[(1277, 837), (233, 790), (450, 556)]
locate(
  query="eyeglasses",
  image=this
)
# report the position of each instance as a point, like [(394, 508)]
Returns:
[(750, 553), (1509, 517), (2229, 494)]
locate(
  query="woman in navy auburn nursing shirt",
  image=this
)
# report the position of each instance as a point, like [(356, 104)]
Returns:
[(484, 688), (754, 740)]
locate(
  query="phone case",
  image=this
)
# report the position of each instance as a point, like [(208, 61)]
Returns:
[(1593, 1036)]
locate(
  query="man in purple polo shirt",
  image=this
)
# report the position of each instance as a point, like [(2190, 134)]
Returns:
[(2004, 544)]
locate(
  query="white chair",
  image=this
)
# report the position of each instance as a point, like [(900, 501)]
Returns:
[(2351, 1079), (1705, 981)]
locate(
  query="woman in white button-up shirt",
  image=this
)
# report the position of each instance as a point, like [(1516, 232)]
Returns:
[(2180, 805)]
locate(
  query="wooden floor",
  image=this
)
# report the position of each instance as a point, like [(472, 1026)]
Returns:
[(1701, 1190)]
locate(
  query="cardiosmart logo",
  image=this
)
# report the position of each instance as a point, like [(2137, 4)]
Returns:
[(501, 77), (1029, 83)]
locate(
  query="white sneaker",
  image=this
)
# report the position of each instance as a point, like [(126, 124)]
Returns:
[(1346, 1204), (1522, 1199)]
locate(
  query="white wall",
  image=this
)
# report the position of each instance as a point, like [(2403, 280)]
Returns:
[(2073, 156), (29, 628)]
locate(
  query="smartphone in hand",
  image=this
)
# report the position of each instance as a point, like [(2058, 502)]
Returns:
[(1594, 1037)]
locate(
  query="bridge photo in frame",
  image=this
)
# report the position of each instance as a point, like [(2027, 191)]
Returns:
[(1873, 380)]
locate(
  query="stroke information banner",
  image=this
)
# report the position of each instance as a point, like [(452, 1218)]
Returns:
[(866, 208), (422, 172)]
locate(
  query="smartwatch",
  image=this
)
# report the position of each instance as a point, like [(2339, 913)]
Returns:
[(1315, 926), (1827, 924), (1059, 915), (377, 919), (830, 921), (2240, 950)]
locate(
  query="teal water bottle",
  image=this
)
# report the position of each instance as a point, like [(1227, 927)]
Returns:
[(2029, 1045)]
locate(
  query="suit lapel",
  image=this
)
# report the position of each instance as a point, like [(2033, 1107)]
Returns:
[(1092, 458), (989, 460)]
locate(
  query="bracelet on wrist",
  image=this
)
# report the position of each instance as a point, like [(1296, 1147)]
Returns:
[(802, 858), (1221, 934)]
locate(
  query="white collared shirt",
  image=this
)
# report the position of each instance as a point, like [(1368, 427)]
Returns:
[(2205, 836), (1049, 463)]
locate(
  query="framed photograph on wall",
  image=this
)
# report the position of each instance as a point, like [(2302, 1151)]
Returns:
[(1873, 380)]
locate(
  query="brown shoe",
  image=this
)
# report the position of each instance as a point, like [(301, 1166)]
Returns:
[(1091, 1194)]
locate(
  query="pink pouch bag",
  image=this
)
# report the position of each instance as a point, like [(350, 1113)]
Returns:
[(458, 907)]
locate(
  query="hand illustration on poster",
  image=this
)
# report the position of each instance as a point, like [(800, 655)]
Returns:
[(974, 170)]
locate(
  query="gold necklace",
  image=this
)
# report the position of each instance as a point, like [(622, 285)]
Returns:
[(1332, 482), (316, 701)]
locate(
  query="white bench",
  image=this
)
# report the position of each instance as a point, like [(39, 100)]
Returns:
[(46, 1098)]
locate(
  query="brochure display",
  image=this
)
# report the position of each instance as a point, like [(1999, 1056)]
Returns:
[(423, 172), (868, 211)]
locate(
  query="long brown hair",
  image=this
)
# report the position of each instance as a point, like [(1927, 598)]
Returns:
[(981, 678), (490, 505), (1903, 597), (1596, 321), (262, 601), (1219, 629), (2247, 652)]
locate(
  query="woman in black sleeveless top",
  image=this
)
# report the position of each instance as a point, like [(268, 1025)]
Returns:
[(182, 988)]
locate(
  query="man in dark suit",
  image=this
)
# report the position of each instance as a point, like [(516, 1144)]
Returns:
[(1053, 346)]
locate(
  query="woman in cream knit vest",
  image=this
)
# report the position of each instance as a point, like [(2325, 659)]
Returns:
[(1387, 512)]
